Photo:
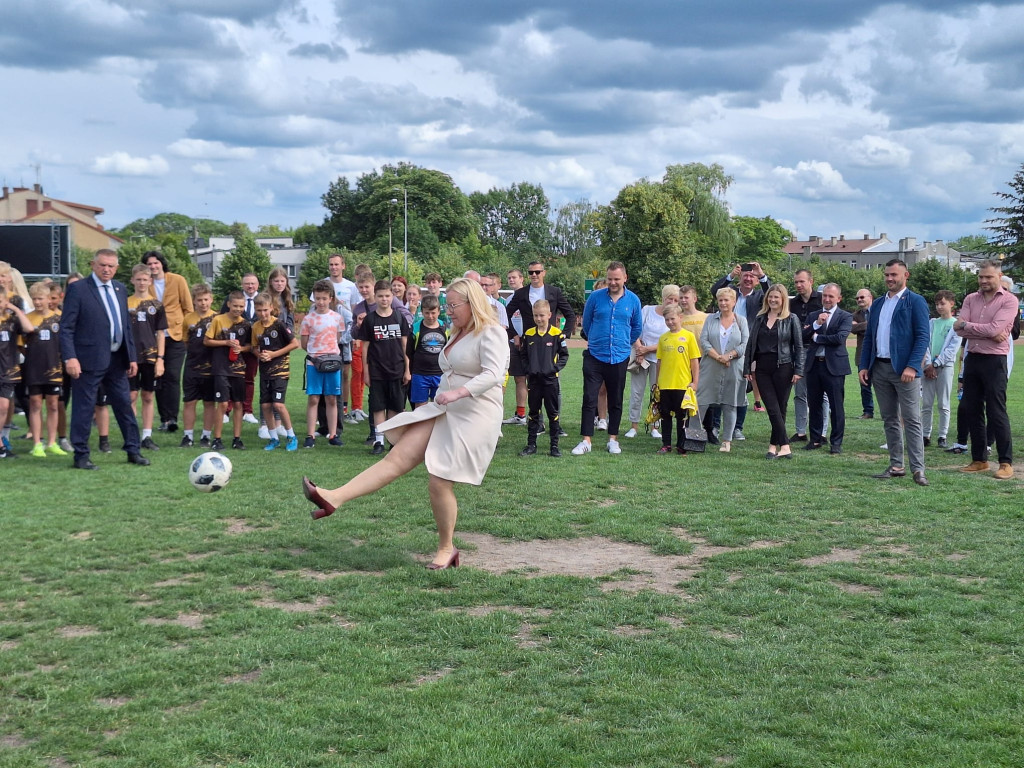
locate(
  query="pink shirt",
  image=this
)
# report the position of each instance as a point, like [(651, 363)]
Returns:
[(986, 319), (323, 331)]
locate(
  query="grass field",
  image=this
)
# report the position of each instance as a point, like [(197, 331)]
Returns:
[(706, 610)]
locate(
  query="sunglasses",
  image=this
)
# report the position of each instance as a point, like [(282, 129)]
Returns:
[(535, 271)]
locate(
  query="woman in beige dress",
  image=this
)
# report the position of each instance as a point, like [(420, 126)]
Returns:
[(455, 436)]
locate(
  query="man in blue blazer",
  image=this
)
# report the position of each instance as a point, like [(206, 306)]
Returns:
[(97, 347), (894, 345), (826, 368)]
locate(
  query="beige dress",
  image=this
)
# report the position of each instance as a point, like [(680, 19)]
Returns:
[(465, 432)]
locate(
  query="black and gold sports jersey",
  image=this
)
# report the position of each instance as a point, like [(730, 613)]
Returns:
[(10, 330), (270, 338), (222, 328), (198, 356), (544, 354), (42, 350), (147, 319)]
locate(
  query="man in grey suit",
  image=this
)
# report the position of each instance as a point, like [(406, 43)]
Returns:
[(826, 368), (97, 348)]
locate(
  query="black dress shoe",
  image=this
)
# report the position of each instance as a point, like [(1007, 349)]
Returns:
[(835, 450), (920, 479), (528, 450), (84, 464), (796, 437), (812, 446), (867, 416), (890, 473), (138, 458)]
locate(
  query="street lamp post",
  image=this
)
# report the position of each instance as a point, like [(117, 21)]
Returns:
[(405, 244), (391, 271)]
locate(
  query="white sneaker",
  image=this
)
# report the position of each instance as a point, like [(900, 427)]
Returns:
[(281, 431), (631, 433), (227, 418), (884, 446), (517, 420), (655, 433), (602, 424), (613, 446), (263, 433), (738, 435), (351, 419), (583, 447), (250, 419)]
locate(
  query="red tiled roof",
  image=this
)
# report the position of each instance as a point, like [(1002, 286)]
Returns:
[(50, 213), (825, 245)]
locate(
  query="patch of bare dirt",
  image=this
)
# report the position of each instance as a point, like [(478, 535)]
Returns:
[(297, 551), (956, 557), (108, 735), (117, 701), (236, 526), (433, 677), (673, 621), (9, 645), (15, 741), (309, 573), (179, 580), (187, 620), (45, 667), (294, 606), (725, 760), (487, 610), (857, 589), (525, 637), (723, 635), (193, 556), (192, 707), (79, 631), (59, 762), (835, 556), (247, 677), (972, 580), (343, 623), (596, 557), (81, 535), (604, 503)]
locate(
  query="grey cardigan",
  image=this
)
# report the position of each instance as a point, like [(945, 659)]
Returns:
[(791, 343), (721, 385)]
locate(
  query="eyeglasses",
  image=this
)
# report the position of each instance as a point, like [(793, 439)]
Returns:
[(535, 271), (456, 306)]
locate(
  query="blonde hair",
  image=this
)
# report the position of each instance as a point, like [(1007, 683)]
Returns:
[(670, 310), (17, 281), (39, 289), (723, 290), (784, 311), (669, 290), (483, 314)]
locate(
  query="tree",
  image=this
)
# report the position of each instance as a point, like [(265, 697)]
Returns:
[(760, 240), (515, 220), (171, 223), (307, 234), (246, 257), (1007, 226), (970, 244), (171, 246), (577, 233)]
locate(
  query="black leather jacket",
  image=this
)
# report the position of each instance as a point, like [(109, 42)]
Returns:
[(791, 343)]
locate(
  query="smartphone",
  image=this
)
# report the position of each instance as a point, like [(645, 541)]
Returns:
[(747, 267)]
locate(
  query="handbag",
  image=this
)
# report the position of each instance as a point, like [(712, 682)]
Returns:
[(654, 409), (637, 363), (694, 438), (327, 363)]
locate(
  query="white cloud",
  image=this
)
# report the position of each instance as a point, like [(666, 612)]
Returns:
[(264, 198), (199, 149), (123, 164), (879, 152), (205, 169), (813, 180)]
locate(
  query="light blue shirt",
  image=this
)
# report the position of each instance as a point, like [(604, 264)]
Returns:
[(106, 306), (882, 333), (612, 326)]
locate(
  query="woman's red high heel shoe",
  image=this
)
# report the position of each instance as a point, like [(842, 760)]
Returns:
[(311, 492), (453, 562)]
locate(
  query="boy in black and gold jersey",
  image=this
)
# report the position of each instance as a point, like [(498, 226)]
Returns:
[(149, 323), (42, 371), (198, 383), (544, 353), (229, 335), (273, 341), (13, 323)]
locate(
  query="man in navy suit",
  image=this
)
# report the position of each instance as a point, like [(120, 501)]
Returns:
[(891, 358), (97, 347), (826, 368)]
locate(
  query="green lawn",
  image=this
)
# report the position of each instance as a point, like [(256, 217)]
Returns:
[(814, 616)]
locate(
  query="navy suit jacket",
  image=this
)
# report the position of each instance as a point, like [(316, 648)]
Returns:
[(832, 338), (753, 301), (85, 327), (552, 295), (909, 333)]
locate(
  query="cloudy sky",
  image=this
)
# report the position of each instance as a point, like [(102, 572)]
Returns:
[(834, 116)]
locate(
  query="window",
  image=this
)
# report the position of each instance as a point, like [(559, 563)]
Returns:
[(853, 264), (292, 270)]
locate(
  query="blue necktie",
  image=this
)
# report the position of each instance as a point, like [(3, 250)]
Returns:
[(114, 313)]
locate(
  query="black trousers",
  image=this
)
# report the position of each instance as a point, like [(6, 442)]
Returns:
[(613, 376), (821, 384), (985, 397), (775, 382), (670, 403), (542, 390), (168, 388)]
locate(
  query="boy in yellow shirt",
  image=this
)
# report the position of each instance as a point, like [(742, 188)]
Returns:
[(678, 371)]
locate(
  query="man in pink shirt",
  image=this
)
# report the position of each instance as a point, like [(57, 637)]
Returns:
[(987, 319)]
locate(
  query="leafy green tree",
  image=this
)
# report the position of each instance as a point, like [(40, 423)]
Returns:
[(761, 240), (246, 257), (970, 244), (577, 233), (270, 230), (307, 234), (1007, 225), (515, 220), (171, 223), (315, 268)]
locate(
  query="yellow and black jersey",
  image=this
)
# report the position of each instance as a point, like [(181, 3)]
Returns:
[(271, 337), (10, 331), (223, 328), (198, 357), (147, 319), (544, 354), (42, 350)]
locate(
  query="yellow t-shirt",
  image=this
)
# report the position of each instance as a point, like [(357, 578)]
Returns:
[(675, 351), (694, 323)]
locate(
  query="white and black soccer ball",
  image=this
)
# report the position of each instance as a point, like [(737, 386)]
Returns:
[(210, 472)]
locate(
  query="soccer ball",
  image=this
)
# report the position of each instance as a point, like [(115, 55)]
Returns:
[(210, 472)]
